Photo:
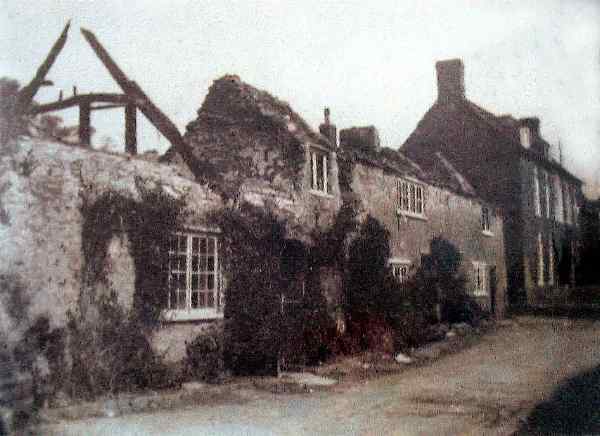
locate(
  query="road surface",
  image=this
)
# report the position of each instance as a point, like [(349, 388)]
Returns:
[(482, 390)]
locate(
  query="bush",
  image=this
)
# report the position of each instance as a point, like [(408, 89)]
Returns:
[(41, 353), (111, 353), (204, 356), (253, 241)]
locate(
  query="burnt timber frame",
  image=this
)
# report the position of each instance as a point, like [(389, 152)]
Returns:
[(133, 98)]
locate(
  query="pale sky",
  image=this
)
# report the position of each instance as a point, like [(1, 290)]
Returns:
[(371, 64)]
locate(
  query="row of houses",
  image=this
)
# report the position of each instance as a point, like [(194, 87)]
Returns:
[(484, 183)]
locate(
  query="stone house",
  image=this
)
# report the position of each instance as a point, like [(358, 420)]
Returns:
[(244, 145), (509, 165), (418, 204)]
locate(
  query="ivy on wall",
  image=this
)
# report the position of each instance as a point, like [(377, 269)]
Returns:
[(147, 222)]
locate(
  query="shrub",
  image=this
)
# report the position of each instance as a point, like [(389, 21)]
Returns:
[(41, 352), (204, 356), (110, 353), (253, 241)]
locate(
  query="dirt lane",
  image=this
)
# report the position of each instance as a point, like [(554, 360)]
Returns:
[(482, 390)]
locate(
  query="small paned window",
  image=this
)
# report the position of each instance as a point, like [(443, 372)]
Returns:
[(319, 171), (480, 279), (485, 219), (193, 274), (400, 271), (411, 197)]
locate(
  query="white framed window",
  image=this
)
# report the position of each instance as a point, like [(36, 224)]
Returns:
[(546, 181), (559, 213), (193, 283), (400, 269), (540, 258), (568, 204), (486, 219), (319, 170), (411, 198), (481, 285), (536, 192)]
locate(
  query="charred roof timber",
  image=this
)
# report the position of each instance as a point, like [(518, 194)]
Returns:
[(133, 98)]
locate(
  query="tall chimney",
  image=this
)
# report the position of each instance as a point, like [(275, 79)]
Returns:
[(451, 80), (327, 129)]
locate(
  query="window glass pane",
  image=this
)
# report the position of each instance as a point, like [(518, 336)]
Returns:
[(404, 196), (181, 299), (419, 199), (412, 198), (181, 261), (200, 290)]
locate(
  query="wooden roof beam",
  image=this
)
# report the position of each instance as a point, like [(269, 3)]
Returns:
[(116, 99), (164, 125), (25, 97)]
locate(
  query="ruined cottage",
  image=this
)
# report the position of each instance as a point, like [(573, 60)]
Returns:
[(245, 146)]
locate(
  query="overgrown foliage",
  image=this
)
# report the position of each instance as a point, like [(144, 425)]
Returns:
[(15, 123), (111, 353), (204, 356), (331, 244), (147, 223), (253, 241), (367, 270)]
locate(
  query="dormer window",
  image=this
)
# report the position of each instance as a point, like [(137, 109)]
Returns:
[(319, 166), (525, 135)]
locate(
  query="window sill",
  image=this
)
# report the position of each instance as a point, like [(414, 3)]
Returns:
[(487, 233), (177, 315), (320, 193), (480, 294), (417, 216)]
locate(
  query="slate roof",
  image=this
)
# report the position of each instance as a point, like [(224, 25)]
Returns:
[(508, 126), (436, 170)]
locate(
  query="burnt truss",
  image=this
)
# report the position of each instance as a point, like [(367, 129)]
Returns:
[(132, 99)]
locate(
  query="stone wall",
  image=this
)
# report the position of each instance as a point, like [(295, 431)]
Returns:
[(558, 238), (452, 217), (43, 186)]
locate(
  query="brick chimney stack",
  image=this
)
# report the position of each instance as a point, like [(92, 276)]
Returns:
[(329, 130), (363, 138), (451, 80)]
